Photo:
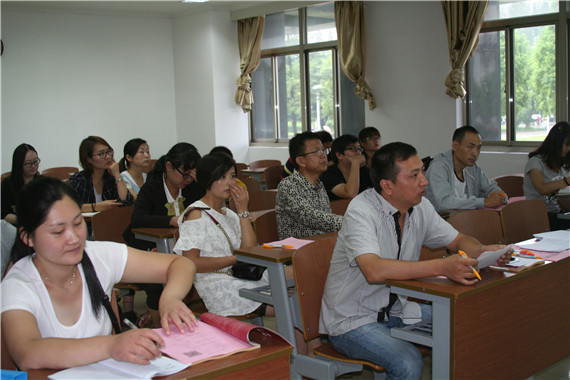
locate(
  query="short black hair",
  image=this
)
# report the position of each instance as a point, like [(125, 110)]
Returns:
[(212, 167), (366, 133), (459, 133), (297, 145), (339, 145), (324, 136), (384, 162), (222, 149)]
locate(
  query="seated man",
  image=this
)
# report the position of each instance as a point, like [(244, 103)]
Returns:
[(325, 138), (349, 175), (455, 179), (302, 207), (381, 237)]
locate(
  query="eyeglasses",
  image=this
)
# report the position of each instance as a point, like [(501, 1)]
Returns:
[(186, 177), (318, 152), (373, 138), (104, 153), (35, 162), (354, 149)]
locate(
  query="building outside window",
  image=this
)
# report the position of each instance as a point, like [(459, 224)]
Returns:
[(299, 85), (518, 76)]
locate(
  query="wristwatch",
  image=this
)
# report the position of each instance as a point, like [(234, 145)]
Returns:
[(119, 180), (244, 214)]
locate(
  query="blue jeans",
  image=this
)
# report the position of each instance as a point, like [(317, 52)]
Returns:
[(373, 342)]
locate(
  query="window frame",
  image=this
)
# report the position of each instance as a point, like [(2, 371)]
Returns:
[(561, 22), (303, 49)]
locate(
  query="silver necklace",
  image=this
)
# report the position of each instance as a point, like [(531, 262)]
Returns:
[(68, 287)]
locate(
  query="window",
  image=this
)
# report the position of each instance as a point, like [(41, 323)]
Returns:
[(516, 90), (299, 85)]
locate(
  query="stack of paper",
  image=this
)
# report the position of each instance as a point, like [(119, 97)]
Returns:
[(554, 241)]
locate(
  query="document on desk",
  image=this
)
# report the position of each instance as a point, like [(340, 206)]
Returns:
[(113, 369), (554, 241), (489, 258), (293, 242)]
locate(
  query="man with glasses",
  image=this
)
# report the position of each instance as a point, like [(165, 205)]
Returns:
[(349, 175), (302, 207)]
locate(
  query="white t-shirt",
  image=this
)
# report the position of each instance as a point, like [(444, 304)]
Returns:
[(459, 188), (23, 289)]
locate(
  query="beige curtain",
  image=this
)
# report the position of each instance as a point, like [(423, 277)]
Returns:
[(250, 33), (463, 20), (350, 30)]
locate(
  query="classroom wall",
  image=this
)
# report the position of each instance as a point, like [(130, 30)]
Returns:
[(69, 75)]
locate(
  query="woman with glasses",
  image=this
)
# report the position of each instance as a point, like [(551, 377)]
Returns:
[(370, 141), (25, 167), (349, 175), (169, 189), (99, 184), (134, 165)]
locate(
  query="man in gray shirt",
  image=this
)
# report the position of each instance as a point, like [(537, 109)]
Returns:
[(380, 239)]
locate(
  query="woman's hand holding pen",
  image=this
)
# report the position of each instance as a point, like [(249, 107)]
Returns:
[(136, 346)]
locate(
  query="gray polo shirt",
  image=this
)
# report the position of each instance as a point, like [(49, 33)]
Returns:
[(349, 301)]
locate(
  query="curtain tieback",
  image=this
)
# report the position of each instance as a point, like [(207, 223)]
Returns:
[(454, 83), (244, 81)]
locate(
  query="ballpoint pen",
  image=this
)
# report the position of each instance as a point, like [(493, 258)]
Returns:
[(286, 246), (464, 255)]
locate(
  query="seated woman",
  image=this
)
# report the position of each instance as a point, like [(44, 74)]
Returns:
[(169, 188), (370, 141), (99, 184), (55, 299), (209, 232), (25, 165), (548, 170), (349, 175), (134, 165)]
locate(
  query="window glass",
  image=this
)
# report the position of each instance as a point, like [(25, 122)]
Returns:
[(487, 106), (321, 91), (504, 9), (320, 23), (262, 112), (289, 96), (281, 30), (534, 82)]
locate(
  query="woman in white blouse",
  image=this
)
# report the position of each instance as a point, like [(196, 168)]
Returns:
[(135, 164)]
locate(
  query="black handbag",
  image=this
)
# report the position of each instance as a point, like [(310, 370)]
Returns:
[(242, 271)]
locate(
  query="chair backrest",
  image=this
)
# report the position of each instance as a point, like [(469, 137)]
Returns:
[(110, 224), (240, 166), (272, 176), (5, 175), (511, 184), (311, 267), (264, 164), (339, 206), (483, 225), (262, 200), (523, 219), (61, 172), (151, 165), (265, 227), (251, 183)]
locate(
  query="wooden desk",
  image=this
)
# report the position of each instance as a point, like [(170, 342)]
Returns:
[(162, 237), (271, 361), (285, 313), (505, 326)]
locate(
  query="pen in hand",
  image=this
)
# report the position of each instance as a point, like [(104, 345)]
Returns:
[(464, 255), (132, 326)]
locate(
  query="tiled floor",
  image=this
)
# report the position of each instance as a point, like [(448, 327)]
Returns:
[(558, 371)]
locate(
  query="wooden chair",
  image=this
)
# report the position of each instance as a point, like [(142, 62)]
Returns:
[(251, 183), (61, 172), (264, 164), (109, 225), (151, 165), (265, 227), (483, 225), (272, 176), (523, 219), (511, 184), (240, 166), (5, 175), (339, 206), (311, 265), (262, 200)]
